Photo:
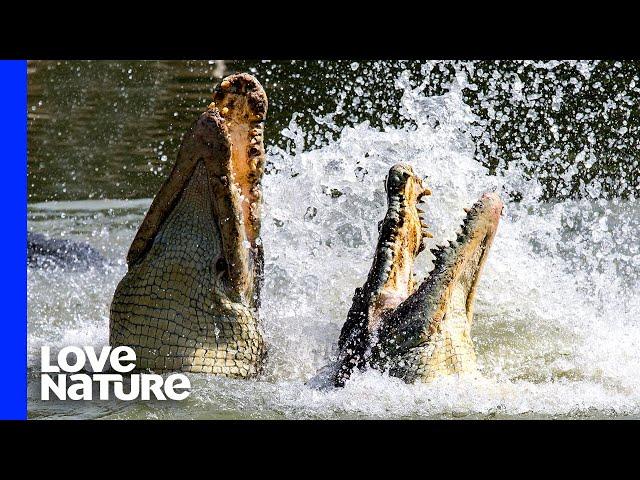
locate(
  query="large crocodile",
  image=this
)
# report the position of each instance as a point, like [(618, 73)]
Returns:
[(190, 298)]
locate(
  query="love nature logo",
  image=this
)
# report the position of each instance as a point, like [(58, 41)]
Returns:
[(67, 377)]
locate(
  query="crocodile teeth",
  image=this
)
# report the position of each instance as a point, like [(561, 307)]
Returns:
[(225, 110), (466, 210), (225, 84), (427, 234)]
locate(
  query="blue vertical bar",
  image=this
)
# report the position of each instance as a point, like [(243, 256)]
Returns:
[(13, 240)]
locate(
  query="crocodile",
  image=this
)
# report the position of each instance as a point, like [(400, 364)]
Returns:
[(191, 295), (416, 332)]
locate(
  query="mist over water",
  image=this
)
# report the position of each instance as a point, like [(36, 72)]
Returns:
[(556, 326)]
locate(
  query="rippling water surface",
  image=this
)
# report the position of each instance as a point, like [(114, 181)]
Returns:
[(556, 328)]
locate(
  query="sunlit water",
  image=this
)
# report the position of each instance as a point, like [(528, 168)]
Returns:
[(557, 323)]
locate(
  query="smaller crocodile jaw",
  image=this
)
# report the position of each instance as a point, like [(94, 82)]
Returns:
[(391, 278), (476, 249), (430, 333)]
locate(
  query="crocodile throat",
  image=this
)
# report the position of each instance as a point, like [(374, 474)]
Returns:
[(190, 297)]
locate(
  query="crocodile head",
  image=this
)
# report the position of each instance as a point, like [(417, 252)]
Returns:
[(417, 332), (190, 296)]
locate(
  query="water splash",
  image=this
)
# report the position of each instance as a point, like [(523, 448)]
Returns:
[(556, 326)]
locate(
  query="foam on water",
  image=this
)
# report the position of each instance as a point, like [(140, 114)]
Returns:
[(556, 326)]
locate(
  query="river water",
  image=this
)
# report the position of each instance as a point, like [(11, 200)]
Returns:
[(557, 323)]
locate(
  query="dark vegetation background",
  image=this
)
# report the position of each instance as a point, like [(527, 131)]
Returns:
[(111, 129)]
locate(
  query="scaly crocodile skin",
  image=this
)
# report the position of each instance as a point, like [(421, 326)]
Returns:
[(172, 309), (190, 297), (448, 348)]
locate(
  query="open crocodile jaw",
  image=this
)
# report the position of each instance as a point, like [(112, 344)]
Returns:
[(390, 280), (417, 334), (430, 333), (189, 299)]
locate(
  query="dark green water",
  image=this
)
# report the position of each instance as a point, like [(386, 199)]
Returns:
[(110, 129)]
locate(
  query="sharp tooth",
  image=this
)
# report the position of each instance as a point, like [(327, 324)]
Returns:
[(427, 234), (419, 210), (225, 110), (225, 84), (212, 105), (466, 210), (426, 192)]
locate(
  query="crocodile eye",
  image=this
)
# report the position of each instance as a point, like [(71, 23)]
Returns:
[(221, 265)]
